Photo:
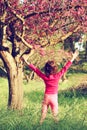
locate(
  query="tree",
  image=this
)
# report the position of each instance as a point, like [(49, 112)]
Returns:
[(26, 26)]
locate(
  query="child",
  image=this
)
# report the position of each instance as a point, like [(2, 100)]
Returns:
[(51, 79)]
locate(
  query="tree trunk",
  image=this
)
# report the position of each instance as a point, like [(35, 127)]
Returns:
[(14, 72)]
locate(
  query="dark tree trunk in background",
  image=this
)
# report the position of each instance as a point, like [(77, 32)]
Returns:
[(68, 44)]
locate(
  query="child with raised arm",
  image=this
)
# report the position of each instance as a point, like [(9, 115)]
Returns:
[(51, 79)]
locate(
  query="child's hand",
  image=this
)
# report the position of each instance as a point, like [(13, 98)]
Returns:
[(25, 60), (75, 54)]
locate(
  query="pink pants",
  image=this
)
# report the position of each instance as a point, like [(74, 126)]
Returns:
[(52, 101)]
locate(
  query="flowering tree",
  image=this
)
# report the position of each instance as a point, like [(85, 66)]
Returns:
[(30, 25)]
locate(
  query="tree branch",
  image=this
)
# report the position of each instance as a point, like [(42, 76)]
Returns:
[(25, 43)]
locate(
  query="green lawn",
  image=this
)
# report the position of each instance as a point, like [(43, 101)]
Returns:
[(72, 107)]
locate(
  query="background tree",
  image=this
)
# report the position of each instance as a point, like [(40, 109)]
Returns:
[(30, 26)]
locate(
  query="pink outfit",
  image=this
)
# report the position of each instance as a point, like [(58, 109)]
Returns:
[(52, 101), (51, 82), (51, 88)]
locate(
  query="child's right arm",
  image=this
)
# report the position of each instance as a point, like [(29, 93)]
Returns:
[(25, 60), (34, 68)]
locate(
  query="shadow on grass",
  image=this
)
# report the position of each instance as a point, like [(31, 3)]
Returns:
[(72, 95), (79, 91)]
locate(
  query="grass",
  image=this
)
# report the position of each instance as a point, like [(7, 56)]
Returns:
[(72, 107)]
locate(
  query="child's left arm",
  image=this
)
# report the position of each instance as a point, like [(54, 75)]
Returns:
[(75, 54), (68, 64)]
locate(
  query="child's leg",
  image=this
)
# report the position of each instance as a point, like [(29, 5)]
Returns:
[(54, 107), (44, 113), (44, 108), (55, 113)]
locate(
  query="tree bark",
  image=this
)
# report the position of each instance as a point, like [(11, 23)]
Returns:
[(14, 73)]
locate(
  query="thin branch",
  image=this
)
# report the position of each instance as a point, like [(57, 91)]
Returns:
[(22, 39), (69, 33)]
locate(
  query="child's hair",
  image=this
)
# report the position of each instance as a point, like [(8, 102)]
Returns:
[(50, 68)]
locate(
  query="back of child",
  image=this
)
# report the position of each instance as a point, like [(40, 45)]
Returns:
[(51, 78)]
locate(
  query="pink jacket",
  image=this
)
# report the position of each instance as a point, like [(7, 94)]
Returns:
[(51, 82)]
